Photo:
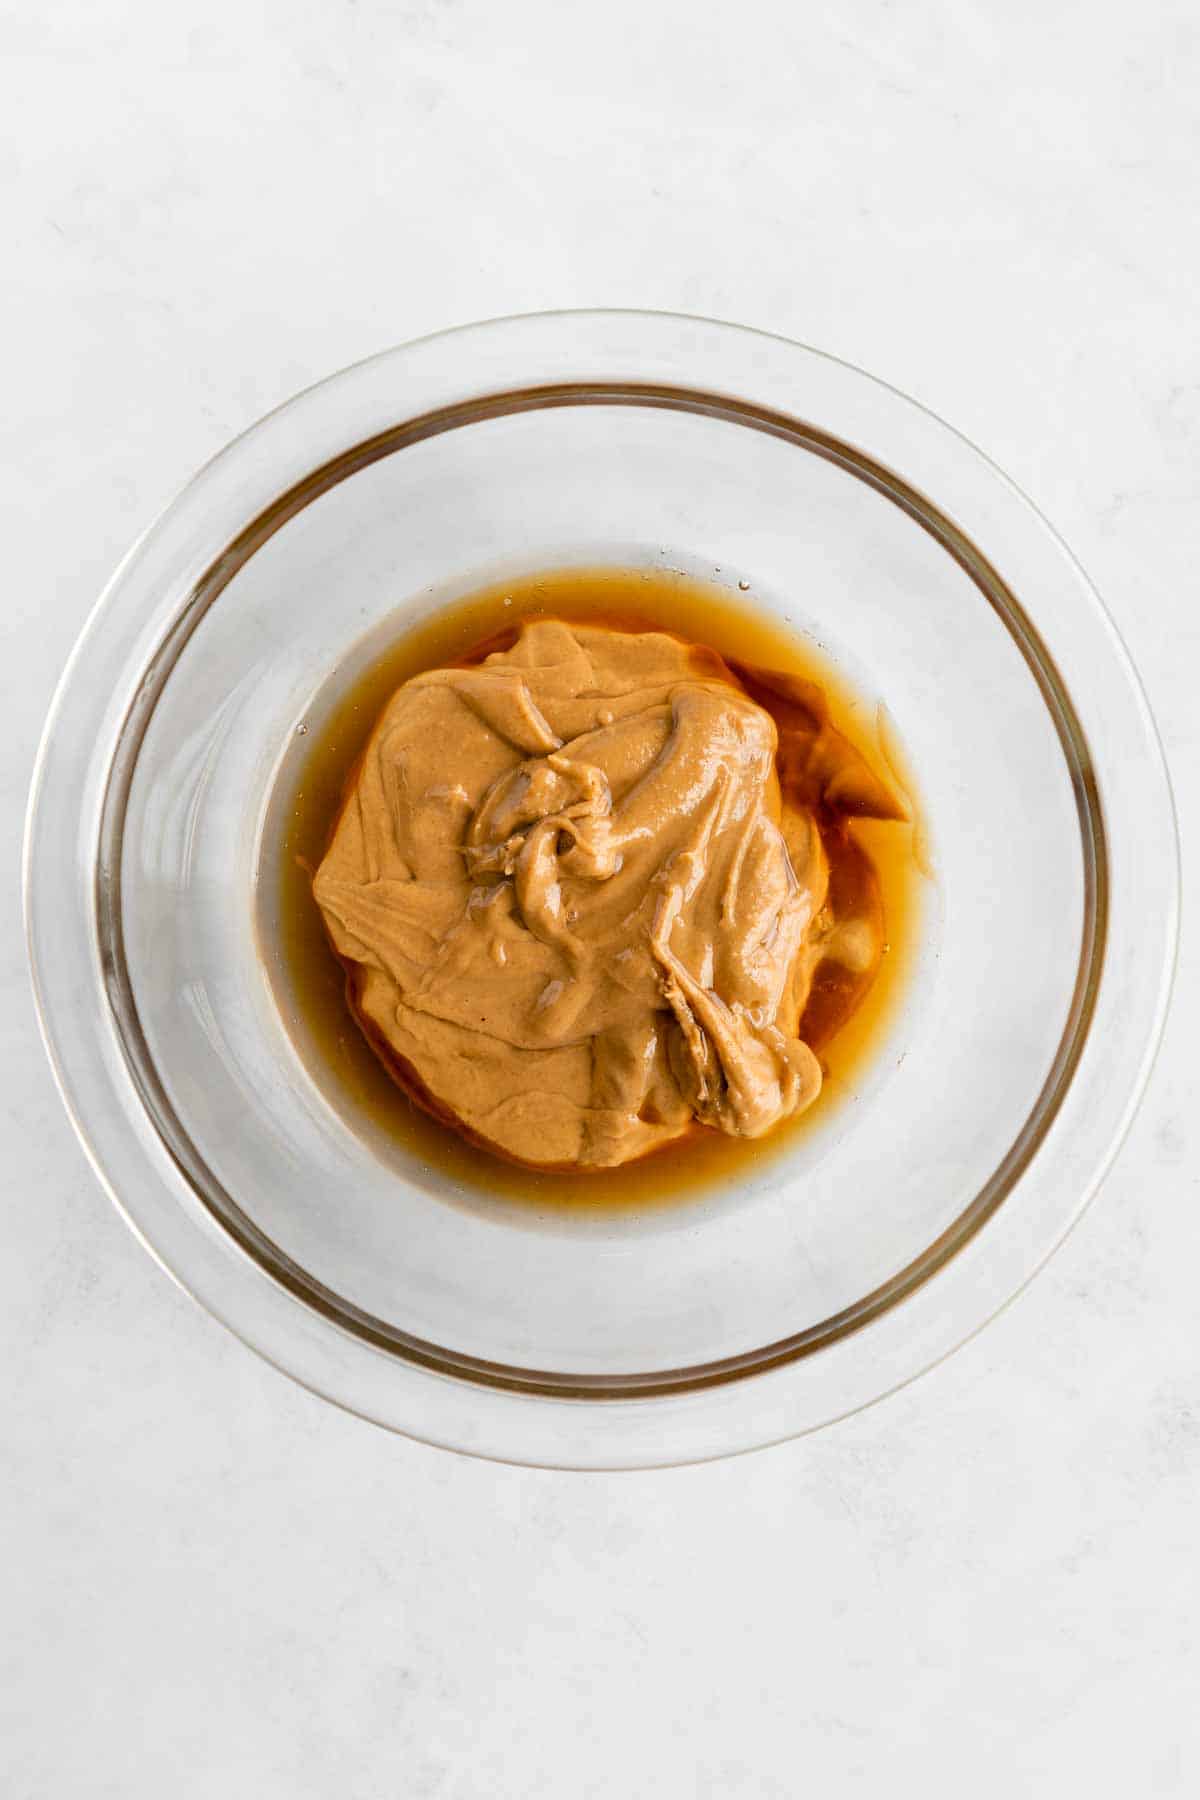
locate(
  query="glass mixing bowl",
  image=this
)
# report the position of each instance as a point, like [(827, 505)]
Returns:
[(910, 1212)]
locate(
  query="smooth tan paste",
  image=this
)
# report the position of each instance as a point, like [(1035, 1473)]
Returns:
[(592, 891)]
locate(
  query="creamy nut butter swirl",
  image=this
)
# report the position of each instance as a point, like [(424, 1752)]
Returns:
[(578, 911)]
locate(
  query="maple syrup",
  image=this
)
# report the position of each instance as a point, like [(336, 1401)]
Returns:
[(874, 874)]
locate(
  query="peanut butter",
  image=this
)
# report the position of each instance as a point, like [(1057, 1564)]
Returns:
[(577, 912)]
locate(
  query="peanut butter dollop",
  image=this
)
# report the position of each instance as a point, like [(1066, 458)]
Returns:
[(576, 915)]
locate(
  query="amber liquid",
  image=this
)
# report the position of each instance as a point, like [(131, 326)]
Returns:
[(873, 873)]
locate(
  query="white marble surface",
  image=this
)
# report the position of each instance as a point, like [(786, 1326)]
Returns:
[(211, 1583)]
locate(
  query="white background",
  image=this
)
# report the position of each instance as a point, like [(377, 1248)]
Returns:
[(213, 1584)]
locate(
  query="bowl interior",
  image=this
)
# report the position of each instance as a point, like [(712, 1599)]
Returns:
[(941, 1120)]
